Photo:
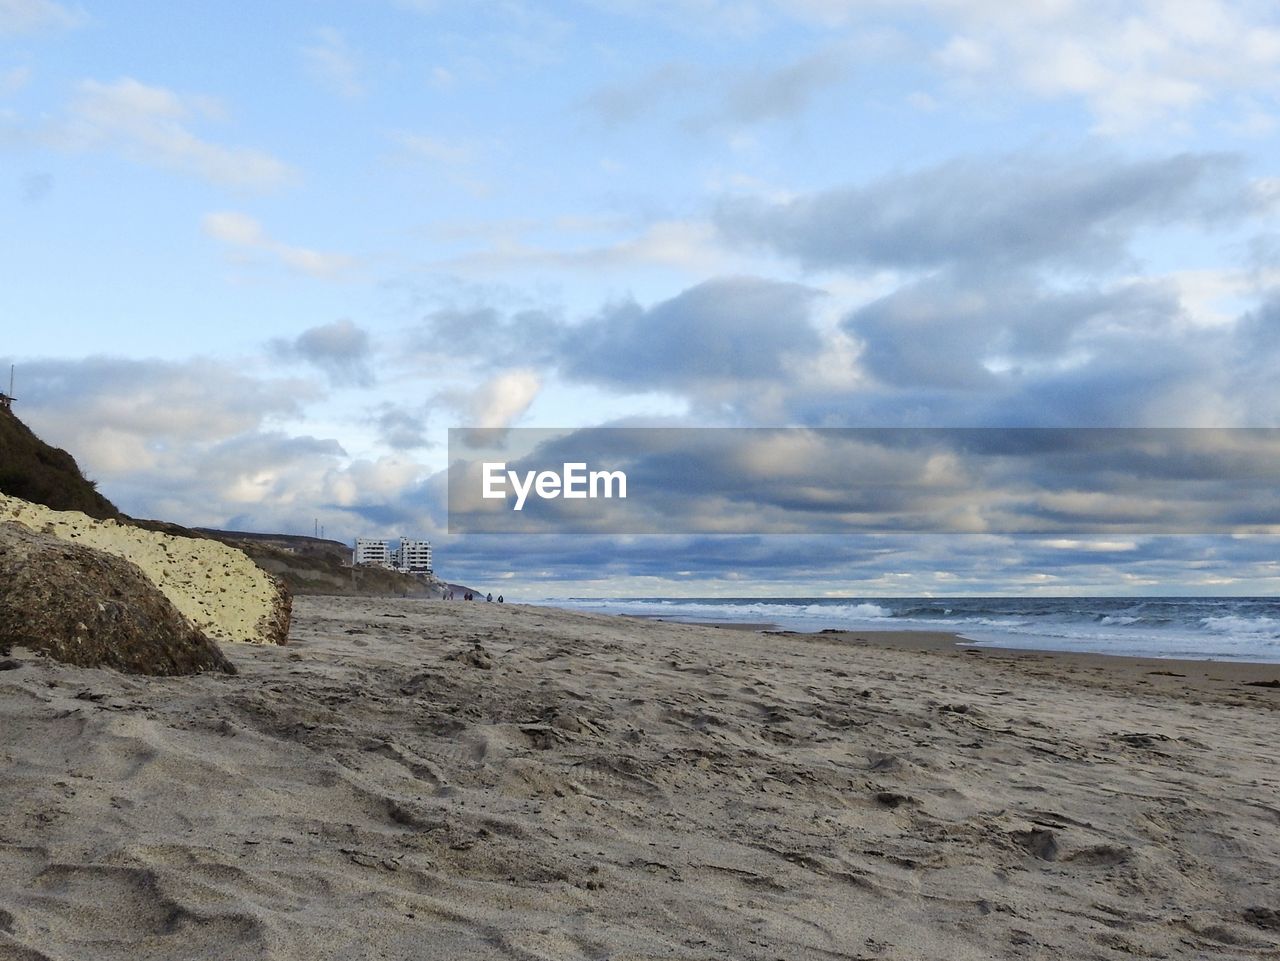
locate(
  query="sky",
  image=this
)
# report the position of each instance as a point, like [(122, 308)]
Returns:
[(257, 262)]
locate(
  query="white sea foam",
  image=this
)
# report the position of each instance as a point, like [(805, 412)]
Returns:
[(1207, 628)]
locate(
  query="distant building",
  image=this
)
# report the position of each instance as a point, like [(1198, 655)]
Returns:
[(414, 556), (372, 550), (5, 401)]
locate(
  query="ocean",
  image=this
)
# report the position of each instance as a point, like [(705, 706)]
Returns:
[(1198, 628)]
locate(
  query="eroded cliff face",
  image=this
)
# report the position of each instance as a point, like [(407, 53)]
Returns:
[(90, 608), (217, 588)]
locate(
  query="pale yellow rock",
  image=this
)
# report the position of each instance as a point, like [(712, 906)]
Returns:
[(218, 588)]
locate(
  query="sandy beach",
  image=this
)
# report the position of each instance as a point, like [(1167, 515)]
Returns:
[(422, 780)]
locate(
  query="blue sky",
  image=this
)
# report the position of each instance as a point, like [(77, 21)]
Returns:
[(255, 264)]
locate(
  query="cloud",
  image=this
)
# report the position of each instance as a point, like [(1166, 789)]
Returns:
[(725, 336), (504, 398), (198, 399), (340, 349), (203, 443), (242, 233), (734, 330), (151, 126), (1057, 482), (487, 338), (947, 332), (1135, 65), (725, 97), (993, 212), (784, 91), (334, 64), (487, 411), (688, 245), (28, 16), (180, 440), (400, 427)]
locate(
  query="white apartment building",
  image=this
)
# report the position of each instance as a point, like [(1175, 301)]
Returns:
[(372, 550), (414, 556)]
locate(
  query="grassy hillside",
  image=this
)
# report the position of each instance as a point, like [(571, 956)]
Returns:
[(37, 472), (310, 565)]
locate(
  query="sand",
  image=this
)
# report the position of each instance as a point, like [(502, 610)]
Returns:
[(422, 779), (216, 587)]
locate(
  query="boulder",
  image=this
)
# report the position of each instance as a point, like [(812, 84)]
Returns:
[(217, 588), (90, 608)]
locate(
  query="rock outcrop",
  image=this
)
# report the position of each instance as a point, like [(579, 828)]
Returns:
[(216, 587), (90, 608)]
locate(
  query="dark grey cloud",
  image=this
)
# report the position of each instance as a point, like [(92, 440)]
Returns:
[(341, 350), (947, 332), (401, 427), (993, 480), (731, 332), (993, 213), (486, 336), (735, 330)]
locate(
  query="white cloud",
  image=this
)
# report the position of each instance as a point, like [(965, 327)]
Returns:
[(26, 16), (334, 64), (364, 481), (498, 402), (243, 233), (1069, 544), (151, 125), (1134, 63)]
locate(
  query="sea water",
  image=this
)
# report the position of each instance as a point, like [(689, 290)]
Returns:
[(1201, 628)]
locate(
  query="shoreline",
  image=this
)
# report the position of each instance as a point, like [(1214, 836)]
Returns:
[(929, 639)]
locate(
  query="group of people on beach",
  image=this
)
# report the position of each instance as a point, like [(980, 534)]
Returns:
[(469, 596)]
